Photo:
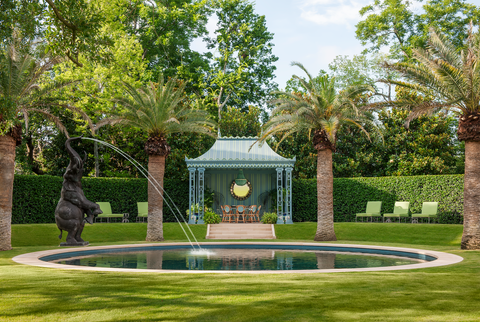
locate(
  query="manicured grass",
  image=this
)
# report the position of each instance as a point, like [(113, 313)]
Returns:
[(418, 234), (449, 293), (47, 234), (414, 234)]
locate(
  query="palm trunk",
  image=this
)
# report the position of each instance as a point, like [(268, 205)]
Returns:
[(326, 260), (7, 171), (154, 259), (325, 229), (471, 197), (156, 168)]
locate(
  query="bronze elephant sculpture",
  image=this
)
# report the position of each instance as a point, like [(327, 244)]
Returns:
[(73, 205)]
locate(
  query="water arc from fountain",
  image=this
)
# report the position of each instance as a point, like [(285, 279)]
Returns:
[(156, 185)]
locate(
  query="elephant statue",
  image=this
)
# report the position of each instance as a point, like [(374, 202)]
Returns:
[(73, 205)]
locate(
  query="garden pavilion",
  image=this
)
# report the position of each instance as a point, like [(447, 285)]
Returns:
[(221, 167)]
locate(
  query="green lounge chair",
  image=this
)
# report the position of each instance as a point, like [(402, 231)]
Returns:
[(107, 213), (429, 210), (142, 211), (400, 210), (374, 209)]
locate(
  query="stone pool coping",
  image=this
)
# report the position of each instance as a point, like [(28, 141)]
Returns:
[(442, 259)]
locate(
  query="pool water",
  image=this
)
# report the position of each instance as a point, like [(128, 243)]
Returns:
[(237, 259)]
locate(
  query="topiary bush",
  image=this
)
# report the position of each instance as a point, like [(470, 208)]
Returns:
[(269, 218)]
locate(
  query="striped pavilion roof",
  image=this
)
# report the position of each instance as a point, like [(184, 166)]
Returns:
[(234, 153)]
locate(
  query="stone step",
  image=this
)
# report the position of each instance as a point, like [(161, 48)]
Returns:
[(240, 235), (226, 232), (213, 236), (240, 231), (240, 225), (262, 236)]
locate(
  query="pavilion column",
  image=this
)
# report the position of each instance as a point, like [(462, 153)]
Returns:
[(191, 194), (288, 197), (201, 195), (279, 195)]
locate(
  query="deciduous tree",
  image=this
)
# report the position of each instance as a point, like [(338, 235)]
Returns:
[(241, 70), (399, 25)]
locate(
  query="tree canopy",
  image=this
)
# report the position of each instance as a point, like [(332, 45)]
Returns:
[(109, 42), (399, 24), (241, 68)]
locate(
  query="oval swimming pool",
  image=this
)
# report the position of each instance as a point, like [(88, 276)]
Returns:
[(239, 257)]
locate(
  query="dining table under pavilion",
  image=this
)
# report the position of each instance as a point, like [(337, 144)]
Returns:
[(234, 164)]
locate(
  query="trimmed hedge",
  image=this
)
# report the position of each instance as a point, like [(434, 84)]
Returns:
[(35, 197), (350, 196)]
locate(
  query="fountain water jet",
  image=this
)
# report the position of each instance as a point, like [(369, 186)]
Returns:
[(200, 252), (156, 185)]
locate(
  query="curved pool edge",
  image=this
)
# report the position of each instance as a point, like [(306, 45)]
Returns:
[(442, 259)]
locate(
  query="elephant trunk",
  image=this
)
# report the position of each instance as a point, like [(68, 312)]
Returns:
[(71, 152)]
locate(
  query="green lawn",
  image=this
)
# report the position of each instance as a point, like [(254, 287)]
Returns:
[(449, 293)]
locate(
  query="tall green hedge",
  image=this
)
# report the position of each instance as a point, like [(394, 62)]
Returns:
[(35, 197), (350, 196)]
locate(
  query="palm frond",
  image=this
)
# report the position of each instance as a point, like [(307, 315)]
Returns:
[(58, 123), (321, 108), (107, 121), (450, 77), (299, 65), (162, 108), (426, 108), (23, 83), (444, 49), (331, 126)]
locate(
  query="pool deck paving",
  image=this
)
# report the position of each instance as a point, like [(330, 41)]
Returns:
[(442, 259)]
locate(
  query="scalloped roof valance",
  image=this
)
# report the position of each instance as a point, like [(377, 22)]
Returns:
[(234, 153)]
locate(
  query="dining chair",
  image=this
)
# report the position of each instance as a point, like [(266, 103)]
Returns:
[(255, 215), (250, 213), (240, 213), (227, 213)]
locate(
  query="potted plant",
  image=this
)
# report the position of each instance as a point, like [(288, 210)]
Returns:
[(193, 210)]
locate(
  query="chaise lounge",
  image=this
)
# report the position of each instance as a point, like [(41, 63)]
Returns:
[(400, 210), (142, 211), (107, 213), (374, 209), (429, 210)]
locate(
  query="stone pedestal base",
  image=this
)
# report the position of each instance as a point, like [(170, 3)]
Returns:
[(64, 244)]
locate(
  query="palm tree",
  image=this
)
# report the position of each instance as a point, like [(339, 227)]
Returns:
[(161, 109), (449, 79), (323, 111), (20, 94)]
